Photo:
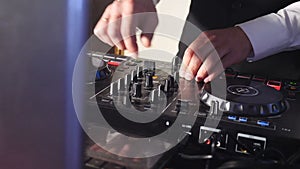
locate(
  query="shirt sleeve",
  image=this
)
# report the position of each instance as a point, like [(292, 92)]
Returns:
[(274, 32)]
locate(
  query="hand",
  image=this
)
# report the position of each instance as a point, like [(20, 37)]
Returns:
[(118, 23), (213, 51)]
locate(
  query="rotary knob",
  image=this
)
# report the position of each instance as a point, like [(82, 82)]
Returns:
[(149, 81), (133, 76), (139, 71), (169, 84), (137, 90)]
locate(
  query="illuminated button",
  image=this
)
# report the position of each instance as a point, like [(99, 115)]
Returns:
[(263, 123), (292, 86), (231, 117), (275, 84), (112, 63), (243, 119), (293, 83)]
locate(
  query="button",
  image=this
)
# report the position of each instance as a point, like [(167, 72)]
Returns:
[(263, 123), (292, 86), (274, 84), (232, 118), (243, 119), (137, 90), (112, 63)]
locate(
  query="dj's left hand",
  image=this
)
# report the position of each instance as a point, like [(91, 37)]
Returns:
[(212, 51)]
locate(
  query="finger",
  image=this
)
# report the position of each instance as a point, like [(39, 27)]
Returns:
[(148, 27), (185, 61), (114, 25), (202, 47), (146, 39), (193, 67), (114, 31), (219, 68), (216, 72), (207, 66), (128, 28), (101, 28)]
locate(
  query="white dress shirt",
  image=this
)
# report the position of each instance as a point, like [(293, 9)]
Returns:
[(274, 32)]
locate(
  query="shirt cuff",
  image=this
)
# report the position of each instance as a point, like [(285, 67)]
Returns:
[(267, 34)]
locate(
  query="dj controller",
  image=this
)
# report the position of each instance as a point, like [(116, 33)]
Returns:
[(256, 113)]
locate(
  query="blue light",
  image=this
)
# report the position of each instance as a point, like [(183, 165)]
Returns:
[(231, 117), (243, 119), (263, 123)]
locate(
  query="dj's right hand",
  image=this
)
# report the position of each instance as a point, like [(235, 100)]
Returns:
[(117, 26)]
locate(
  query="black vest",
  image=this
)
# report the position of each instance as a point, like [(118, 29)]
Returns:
[(215, 14)]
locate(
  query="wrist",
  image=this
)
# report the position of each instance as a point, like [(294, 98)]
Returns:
[(246, 43)]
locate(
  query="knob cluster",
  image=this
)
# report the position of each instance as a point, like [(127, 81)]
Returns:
[(143, 85)]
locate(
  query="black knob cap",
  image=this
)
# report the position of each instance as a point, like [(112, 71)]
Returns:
[(154, 96), (149, 81), (169, 84), (137, 90), (133, 76), (139, 70)]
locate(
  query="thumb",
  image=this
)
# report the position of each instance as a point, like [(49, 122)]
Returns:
[(146, 39)]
